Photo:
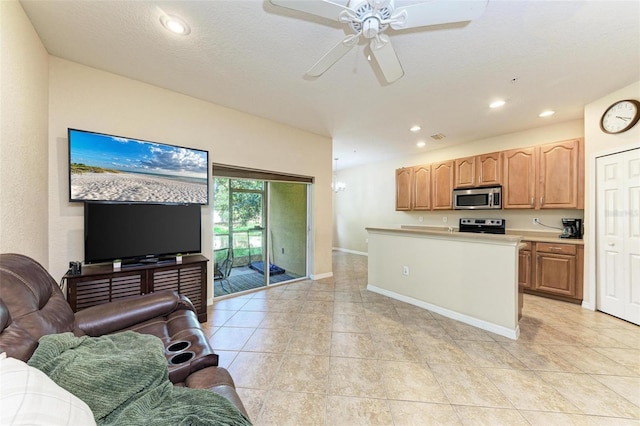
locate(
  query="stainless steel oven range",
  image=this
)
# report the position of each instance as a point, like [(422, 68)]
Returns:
[(483, 226)]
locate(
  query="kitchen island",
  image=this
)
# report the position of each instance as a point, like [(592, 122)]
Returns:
[(472, 278)]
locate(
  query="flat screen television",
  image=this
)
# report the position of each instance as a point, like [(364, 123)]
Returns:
[(113, 168), (137, 232)]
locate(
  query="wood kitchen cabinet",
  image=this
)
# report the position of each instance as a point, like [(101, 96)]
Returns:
[(489, 169), (442, 175), (413, 188), (519, 178), (465, 172), (560, 170), (404, 188), (481, 170), (524, 265), (548, 176), (421, 187), (556, 270)]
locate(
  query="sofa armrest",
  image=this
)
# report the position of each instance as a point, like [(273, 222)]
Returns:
[(126, 312)]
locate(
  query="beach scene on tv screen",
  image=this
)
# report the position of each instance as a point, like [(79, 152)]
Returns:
[(111, 168)]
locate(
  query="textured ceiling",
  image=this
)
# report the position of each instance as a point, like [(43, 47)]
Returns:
[(252, 56)]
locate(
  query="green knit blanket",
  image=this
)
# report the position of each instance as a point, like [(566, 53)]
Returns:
[(124, 379)]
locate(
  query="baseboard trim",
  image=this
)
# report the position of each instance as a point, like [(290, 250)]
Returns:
[(361, 253), (484, 325), (321, 276), (588, 305)]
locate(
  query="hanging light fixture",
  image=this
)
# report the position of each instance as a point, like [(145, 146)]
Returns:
[(336, 185)]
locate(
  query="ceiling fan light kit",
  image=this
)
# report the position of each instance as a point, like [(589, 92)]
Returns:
[(370, 18)]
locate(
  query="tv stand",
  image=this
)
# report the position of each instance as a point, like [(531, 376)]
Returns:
[(101, 284)]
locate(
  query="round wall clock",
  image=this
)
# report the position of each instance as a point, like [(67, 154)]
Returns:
[(620, 116)]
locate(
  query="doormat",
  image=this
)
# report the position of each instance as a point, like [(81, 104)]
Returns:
[(259, 266)]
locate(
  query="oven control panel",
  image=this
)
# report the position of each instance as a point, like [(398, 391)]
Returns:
[(486, 222)]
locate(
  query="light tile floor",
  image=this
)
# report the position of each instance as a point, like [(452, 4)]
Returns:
[(329, 352)]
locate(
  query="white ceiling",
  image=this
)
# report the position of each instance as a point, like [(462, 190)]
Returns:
[(252, 56)]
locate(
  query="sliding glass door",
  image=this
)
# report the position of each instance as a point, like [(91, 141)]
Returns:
[(260, 233)]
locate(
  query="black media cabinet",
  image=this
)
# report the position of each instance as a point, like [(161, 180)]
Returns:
[(101, 284)]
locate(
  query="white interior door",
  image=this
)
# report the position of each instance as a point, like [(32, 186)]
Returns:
[(618, 234)]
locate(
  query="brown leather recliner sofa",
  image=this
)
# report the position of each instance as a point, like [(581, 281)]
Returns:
[(32, 305)]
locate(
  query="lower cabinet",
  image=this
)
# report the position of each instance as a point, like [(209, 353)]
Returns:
[(101, 284), (524, 266), (552, 270)]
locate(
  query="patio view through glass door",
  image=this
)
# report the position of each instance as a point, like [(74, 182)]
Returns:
[(250, 216)]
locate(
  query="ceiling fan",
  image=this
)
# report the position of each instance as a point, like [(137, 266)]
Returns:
[(371, 18)]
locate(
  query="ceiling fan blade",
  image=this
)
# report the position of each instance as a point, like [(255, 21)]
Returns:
[(386, 58), (323, 8), (436, 12), (333, 55)]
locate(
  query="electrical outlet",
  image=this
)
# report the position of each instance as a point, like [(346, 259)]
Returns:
[(405, 270), (444, 219), (420, 218), (536, 220)]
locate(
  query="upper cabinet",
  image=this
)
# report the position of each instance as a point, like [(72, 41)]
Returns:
[(413, 188), (560, 175), (404, 188), (442, 185), (465, 172), (549, 176), (481, 170), (489, 169), (519, 189), (422, 187)]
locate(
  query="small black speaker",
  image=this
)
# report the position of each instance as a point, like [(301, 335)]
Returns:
[(75, 268)]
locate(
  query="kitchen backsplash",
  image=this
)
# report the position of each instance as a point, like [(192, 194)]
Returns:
[(516, 219)]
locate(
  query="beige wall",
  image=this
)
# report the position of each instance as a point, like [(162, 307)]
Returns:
[(597, 144), (23, 136), (89, 99), (369, 199)]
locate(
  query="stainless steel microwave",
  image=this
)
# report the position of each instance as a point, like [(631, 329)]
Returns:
[(477, 198)]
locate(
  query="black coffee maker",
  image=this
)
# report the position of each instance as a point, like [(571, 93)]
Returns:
[(572, 228)]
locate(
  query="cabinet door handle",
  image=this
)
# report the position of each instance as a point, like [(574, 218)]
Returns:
[(532, 201), (541, 198), (555, 248), (611, 244)]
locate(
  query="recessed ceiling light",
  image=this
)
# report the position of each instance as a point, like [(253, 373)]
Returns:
[(421, 144), (175, 24), (547, 113), (497, 104), (415, 128)]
